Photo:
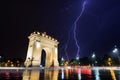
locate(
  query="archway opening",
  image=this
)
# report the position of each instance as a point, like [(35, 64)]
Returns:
[(43, 58)]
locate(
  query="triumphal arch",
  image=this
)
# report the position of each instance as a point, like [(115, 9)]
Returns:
[(41, 41)]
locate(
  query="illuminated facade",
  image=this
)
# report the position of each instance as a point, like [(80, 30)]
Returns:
[(38, 42)]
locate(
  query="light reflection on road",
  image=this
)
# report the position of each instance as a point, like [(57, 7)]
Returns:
[(68, 73)]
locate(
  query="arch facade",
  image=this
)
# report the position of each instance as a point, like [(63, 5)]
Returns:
[(38, 42)]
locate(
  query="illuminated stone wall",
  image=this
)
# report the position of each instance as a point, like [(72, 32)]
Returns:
[(38, 42)]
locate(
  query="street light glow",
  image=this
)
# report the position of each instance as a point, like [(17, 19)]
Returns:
[(62, 59), (93, 56), (115, 50), (77, 58)]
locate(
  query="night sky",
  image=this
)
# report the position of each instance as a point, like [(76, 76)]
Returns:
[(98, 29)]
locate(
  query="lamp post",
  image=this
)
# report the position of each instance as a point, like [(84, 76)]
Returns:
[(77, 61), (62, 62), (62, 59), (116, 51), (93, 59), (93, 55)]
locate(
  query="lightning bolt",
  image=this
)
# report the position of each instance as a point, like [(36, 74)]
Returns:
[(66, 52), (75, 29), (66, 45)]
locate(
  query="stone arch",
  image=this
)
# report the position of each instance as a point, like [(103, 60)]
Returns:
[(43, 58), (37, 43), (48, 59)]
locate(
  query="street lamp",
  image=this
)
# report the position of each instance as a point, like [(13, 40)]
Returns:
[(77, 58), (62, 59), (93, 55), (62, 62), (93, 59), (115, 50)]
